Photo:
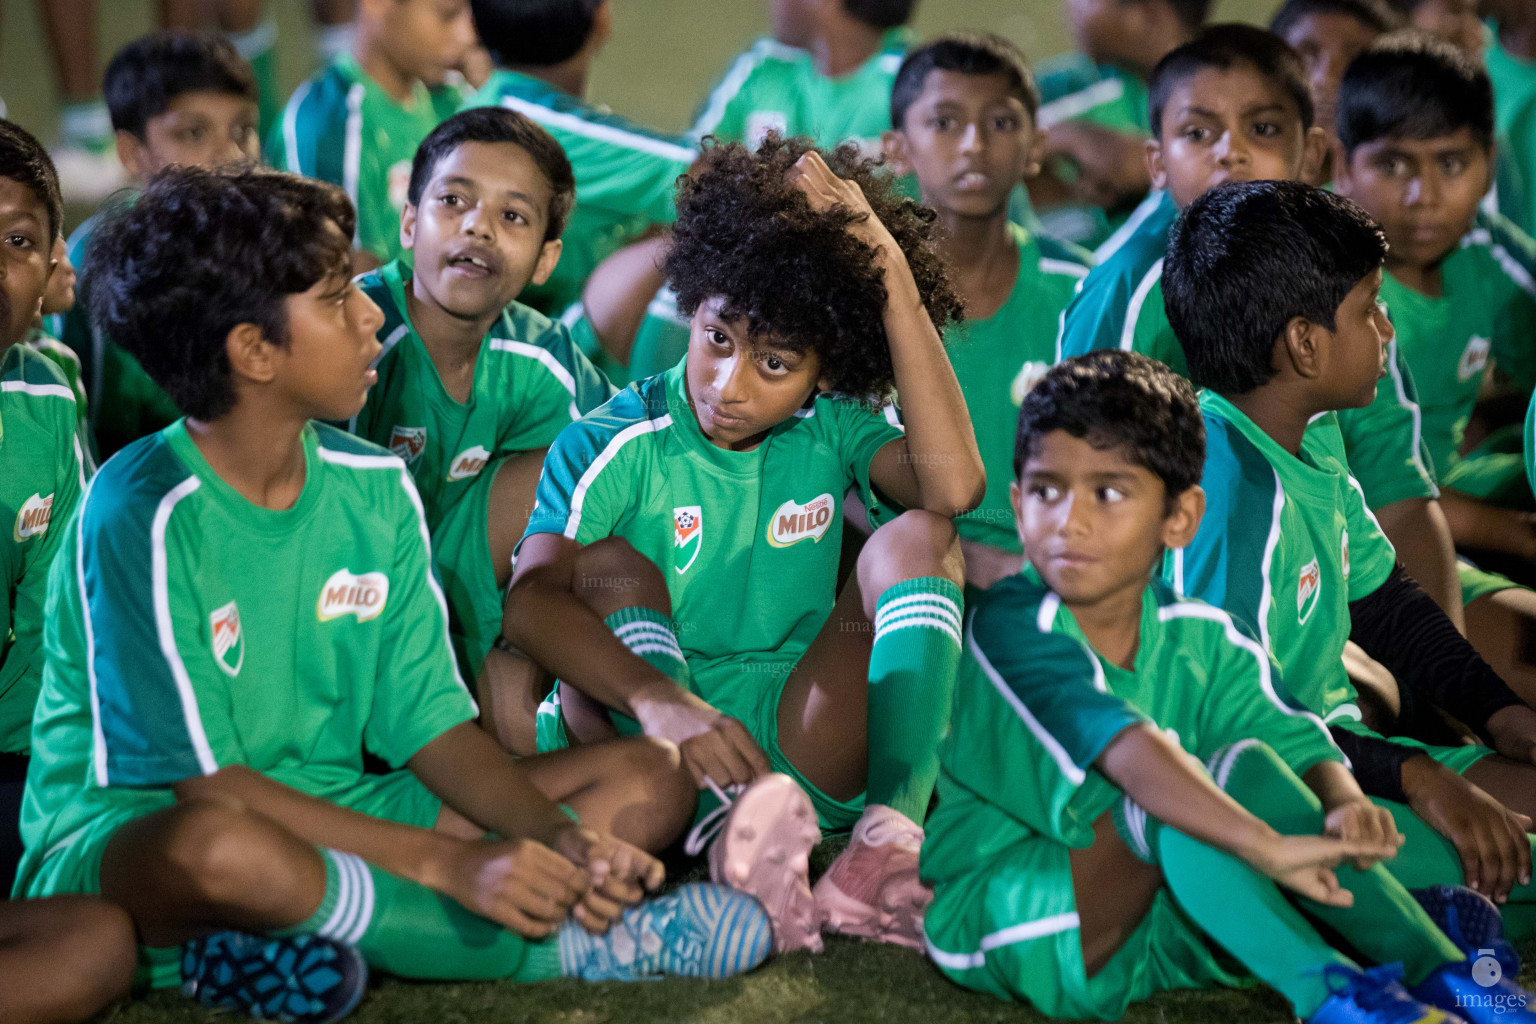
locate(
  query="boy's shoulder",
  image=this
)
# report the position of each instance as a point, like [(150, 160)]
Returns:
[(1015, 615), (26, 371), (1497, 246), (562, 113), (1142, 240), (1058, 257), (328, 89)]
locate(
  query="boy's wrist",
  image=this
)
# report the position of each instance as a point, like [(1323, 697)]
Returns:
[(432, 866), (1417, 772), (652, 693)]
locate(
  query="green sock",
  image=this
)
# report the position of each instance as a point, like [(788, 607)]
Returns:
[(408, 930), (259, 47), (652, 636), (911, 683)]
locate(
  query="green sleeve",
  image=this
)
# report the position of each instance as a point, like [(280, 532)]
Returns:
[(862, 432), (1384, 442), (1371, 556), (553, 385), (310, 137), (1514, 337), (1153, 334), (420, 695), (723, 112), (1114, 309), (587, 482)]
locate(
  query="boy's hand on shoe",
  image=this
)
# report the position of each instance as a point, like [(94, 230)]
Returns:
[(825, 190), (620, 875), (1513, 730), (713, 745), (1304, 864), (519, 884), (1363, 821), (1489, 838)]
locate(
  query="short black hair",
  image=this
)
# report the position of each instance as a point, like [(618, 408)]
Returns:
[(881, 14), (1248, 257), (1374, 14), (1224, 47), (1412, 85), (533, 33), (968, 53), (1117, 399), (1191, 13), (24, 160), (200, 251), (745, 233), (147, 74), (498, 124)]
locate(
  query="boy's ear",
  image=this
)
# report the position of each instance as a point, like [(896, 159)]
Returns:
[(408, 227), (130, 153), (549, 255), (1015, 500), (1183, 522), (1314, 154), (1156, 169), (602, 25), (251, 355), (897, 154), (1301, 345), (1036, 154)]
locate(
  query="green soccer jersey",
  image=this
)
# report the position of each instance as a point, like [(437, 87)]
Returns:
[(41, 477), (1286, 543), (1120, 303), (748, 541), (530, 381), (1514, 104), (125, 403), (625, 178), (68, 363), (997, 360), (342, 127), (1072, 87), (776, 88), (189, 629), (1034, 707), (1485, 310)]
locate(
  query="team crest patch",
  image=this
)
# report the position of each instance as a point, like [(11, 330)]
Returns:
[(1307, 586), (346, 593), (688, 533), (228, 639), (792, 523), (33, 517), (1029, 375), (407, 442), (1474, 358), (1344, 553), (468, 463)]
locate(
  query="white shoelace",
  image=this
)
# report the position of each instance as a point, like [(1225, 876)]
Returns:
[(710, 825)]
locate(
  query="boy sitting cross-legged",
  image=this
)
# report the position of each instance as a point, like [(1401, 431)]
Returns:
[(680, 571), (1272, 287), (200, 738), (473, 385), (1082, 857)]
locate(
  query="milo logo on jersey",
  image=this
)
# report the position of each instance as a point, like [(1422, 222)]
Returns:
[(228, 639), (1308, 585), (347, 594), (792, 523), (468, 463), (33, 517), (407, 442), (1473, 358), (687, 534)]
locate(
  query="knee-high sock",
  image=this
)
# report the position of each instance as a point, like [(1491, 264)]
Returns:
[(652, 637), (411, 931), (911, 683)]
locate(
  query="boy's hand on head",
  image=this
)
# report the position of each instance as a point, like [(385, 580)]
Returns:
[(520, 884), (825, 190), (714, 746), (1513, 730), (1304, 864), (620, 875), (1489, 838), (1363, 821)]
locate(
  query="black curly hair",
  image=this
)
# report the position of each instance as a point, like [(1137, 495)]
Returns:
[(1117, 399), (745, 233), (201, 251)]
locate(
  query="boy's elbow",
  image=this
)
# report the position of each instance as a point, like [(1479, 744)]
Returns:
[(965, 494)]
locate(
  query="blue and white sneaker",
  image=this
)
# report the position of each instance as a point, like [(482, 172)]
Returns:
[(1477, 991), (302, 979), (1472, 921), (700, 930), (1373, 996)]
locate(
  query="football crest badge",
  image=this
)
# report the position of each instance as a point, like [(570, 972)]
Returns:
[(1308, 584), (407, 442), (688, 534), (228, 639), (1474, 358)]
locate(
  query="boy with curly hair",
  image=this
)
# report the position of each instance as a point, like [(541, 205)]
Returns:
[(680, 571)]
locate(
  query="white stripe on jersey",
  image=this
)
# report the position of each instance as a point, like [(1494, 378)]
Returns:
[(623, 437), (1415, 414), (1004, 937), (1076, 104), (1267, 599), (1138, 299), (1507, 262), (1110, 245), (352, 155), (98, 735), (389, 343), (291, 131), (1073, 773), (577, 125), (550, 363), (160, 574), (730, 85), (38, 390), (1065, 268)]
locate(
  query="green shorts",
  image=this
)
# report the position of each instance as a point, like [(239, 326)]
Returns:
[(461, 550), (1476, 583), (1457, 759), (1010, 929), (754, 701), (73, 865), (1494, 471)]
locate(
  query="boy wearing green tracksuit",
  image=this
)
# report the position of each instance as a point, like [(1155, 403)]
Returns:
[(473, 385), (1082, 859), (358, 121), (201, 743), (963, 112)]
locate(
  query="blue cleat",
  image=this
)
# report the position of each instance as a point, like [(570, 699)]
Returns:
[(1478, 992), (1472, 921), (700, 930), (303, 979), (1373, 996)]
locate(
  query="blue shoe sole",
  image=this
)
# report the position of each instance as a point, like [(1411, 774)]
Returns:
[(1471, 920), (304, 979)]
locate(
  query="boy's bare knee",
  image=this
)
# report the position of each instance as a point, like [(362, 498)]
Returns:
[(914, 544), (610, 574), (225, 855)]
